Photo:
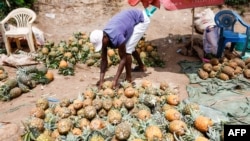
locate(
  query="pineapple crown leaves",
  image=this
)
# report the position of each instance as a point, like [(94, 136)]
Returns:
[(214, 131), (135, 135), (70, 137), (92, 134), (108, 131), (160, 120), (86, 133), (125, 84), (189, 135), (213, 134), (124, 111), (80, 97), (149, 100), (66, 71), (75, 120), (4, 92), (28, 135)]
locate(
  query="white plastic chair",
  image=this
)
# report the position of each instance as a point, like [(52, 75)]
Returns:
[(23, 19)]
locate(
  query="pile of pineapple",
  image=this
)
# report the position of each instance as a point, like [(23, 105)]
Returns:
[(26, 78), (66, 54), (131, 112), (225, 68), (3, 73)]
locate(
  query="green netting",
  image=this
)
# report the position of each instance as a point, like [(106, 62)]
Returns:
[(230, 97)]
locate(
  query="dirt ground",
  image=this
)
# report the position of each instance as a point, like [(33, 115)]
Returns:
[(163, 24)]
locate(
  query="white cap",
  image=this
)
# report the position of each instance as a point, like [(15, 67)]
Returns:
[(96, 37)]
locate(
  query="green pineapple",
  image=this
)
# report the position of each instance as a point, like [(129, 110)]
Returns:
[(11, 83)]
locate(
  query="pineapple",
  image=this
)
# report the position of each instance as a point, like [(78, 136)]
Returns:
[(87, 102), (108, 92), (102, 113), (65, 102), (202, 123), (36, 123), (177, 127), (37, 112), (76, 131), (97, 124), (107, 103), (122, 131), (64, 126), (44, 137), (96, 137), (77, 104), (203, 74), (214, 61), (164, 85), (153, 133), (129, 92), (107, 84), (64, 112), (117, 103), (15, 92), (223, 76), (11, 83), (90, 112), (84, 123), (200, 138), (146, 84), (169, 137), (97, 103), (89, 94), (149, 100), (114, 116), (172, 114), (173, 99), (207, 67), (228, 70), (129, 103), (143, 114)]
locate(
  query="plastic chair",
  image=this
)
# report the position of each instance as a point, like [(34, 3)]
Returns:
[(226, 20), (23, 19)]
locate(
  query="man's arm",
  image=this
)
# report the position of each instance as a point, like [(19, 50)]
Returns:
[(103, 67), (122, 54)]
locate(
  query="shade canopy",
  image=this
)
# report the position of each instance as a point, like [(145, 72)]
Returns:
[(176, 4)]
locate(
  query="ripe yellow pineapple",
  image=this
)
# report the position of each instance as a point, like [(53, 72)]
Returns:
[(178, 127), (122, 131), (202, 123), (90, 112), (64, 126), (153, 132), (114, 116), (172, 114)]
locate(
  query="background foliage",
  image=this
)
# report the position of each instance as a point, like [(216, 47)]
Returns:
[(7, 5)]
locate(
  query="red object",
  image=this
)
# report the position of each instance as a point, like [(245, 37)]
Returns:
[(182, 4), (145, 3)]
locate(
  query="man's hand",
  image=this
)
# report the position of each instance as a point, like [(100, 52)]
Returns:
[(99, 84), (115, 85)]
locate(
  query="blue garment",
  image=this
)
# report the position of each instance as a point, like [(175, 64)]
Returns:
[(121, 26)]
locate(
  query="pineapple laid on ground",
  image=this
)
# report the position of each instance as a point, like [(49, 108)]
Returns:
[(202, 123), (177, 127), (64, 126), (114, 116), (153, 132), (42, 103), (122, 131)]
